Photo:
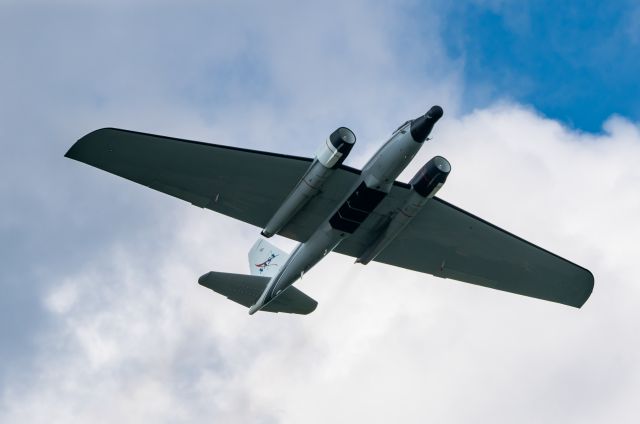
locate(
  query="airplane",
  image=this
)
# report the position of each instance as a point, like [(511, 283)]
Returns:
[(330, 207)]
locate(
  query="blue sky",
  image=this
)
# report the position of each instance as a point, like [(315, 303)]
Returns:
[(98, 275), (577, 62)]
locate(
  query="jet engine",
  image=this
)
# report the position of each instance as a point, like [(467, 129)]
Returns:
[(424, 185), (430, 178), (336, 148), (328, 157)]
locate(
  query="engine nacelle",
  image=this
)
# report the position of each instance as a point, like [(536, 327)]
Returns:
[(431, 177), (336, 148), (424, 185), (328, 157)]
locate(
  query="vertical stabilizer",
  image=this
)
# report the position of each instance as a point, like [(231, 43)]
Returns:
[(265, 259)]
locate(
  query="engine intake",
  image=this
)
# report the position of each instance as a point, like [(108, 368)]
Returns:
[(336, 148), (431, 176)]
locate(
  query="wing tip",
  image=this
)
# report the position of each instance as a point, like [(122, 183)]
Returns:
[(76, 150), (589, 283), (203, 278)]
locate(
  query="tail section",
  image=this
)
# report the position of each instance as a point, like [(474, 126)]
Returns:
[(265, 259), (246, 289)]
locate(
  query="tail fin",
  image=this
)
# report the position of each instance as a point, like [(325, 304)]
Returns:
[(246, 289), (265, 259)]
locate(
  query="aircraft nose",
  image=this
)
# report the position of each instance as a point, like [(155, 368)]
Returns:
[(422, 126), (435, 113)]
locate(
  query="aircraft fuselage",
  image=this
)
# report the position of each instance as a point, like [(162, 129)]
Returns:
[(372, 187)]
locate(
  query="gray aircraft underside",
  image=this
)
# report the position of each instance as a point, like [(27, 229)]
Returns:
[(328, 206)]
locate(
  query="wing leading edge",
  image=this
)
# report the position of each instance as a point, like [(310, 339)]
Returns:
[(249, 185)]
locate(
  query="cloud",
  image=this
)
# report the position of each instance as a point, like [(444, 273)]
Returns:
[(215, 73), (384, 343), (119, 330)]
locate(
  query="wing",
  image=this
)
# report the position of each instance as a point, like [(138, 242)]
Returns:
[(244, 184), (249, 185), (448, 242)]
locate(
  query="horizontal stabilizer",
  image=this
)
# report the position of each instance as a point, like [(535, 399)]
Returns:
[(246, 289)]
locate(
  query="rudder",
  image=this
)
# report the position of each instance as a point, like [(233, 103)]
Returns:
[(266, 259)]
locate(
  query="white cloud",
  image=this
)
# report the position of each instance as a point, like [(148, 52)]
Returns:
[(144, 342), (131, 337)]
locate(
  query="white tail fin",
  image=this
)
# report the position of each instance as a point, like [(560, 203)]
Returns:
[(265, 259)]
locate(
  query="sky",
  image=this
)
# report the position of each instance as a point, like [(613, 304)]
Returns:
[(575, 62), (101, 316)]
